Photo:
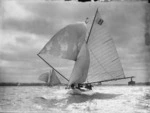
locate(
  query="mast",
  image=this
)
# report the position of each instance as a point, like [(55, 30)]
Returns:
[(52, 67), (91, 29), (92, 26)]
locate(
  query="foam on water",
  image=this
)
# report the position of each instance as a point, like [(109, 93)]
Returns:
[(101, 100)]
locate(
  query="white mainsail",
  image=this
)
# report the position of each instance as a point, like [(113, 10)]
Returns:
[(104, 60)]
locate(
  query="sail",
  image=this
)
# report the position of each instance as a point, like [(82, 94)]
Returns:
[(50, 78), (81, 67), (67, 42), (62, 49), (44, 77), (104, 60), (54, 80)]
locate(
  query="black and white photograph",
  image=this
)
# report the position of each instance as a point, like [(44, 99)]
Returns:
[(74, 56)]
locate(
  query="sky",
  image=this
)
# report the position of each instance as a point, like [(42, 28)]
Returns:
[(26, 26)]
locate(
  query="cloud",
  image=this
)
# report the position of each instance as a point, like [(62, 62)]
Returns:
[(52, 10), (37, 26), (15, 39), (23, 40), (18, 52), (12, 9), (50, 17)]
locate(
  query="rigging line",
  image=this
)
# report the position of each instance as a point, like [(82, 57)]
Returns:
[(53, 68), (100, 64), (92, 26)]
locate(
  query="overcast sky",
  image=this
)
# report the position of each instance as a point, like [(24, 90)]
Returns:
[(27, 25)]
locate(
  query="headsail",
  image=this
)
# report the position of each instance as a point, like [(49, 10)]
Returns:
[(81, 67), (104, 60), (62, 49)]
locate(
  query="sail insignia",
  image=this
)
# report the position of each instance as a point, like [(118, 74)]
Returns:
[(100, 21)]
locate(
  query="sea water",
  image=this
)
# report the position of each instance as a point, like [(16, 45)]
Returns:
[(103, 99)]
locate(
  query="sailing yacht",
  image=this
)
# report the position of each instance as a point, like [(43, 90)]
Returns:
[(94, 56)]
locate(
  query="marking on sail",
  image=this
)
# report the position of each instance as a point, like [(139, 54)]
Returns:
[(100, 21)]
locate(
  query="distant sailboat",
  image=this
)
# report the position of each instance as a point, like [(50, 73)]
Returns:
[(50, 78), (94, 57)]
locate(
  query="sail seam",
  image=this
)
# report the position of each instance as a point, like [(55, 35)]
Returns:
[(100, 63)]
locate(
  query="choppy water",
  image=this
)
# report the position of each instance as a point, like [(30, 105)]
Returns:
[(112, 99)]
